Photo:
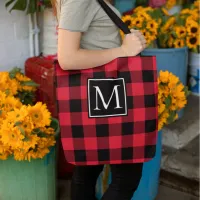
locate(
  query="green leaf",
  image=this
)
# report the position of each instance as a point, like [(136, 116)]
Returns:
[(26, 139), (174, 34), (180, 21), (1, 112), (21, 130), (168, 102), (14, 71), (9, 2), (19, 5), (29, 83), (18, 123), (171, 118), (36, 131), (7, 91), (187, 92)]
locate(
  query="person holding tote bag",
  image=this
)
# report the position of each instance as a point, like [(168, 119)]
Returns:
[(97, 109)]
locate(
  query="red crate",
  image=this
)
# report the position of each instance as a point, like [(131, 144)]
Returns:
[(41, 71)]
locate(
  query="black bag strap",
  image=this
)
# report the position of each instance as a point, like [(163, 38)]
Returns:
[(113, 16)]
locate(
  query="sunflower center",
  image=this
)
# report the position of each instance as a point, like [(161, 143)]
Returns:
[(36, 115), (193, 40), (128, 22), (138, 22), (17, 115), (193, 29), (151, 25), (182, 32)]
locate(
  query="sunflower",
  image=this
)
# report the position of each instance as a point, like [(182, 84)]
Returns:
[(38, 153), (2, 96), (192, 42), (152, 26), (193, 28), (180, 31), (144, 15), (161, 108), (48, 131), (19, 154), (138, 9), (165, 11), (185, 11), (4, 155), (39, 114), (147, 36), (173, 81), (197, 4), (160, 124), (4, 76), (164, 76), (28, 88), (30, 142), (195, 14), (11, 103), (128, 19), (170, 4), (27, 125), (138, 22), (17, 114), (171, 21), (181, 104), (178, 43), (166, 27), (21, 78), (11, 135), (46, 142), (170, 41)]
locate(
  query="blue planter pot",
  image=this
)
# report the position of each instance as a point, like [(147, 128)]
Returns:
[(148, 187), (124, 5), (172, 60)]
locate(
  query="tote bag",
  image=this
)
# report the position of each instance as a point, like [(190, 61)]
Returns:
[(109, 114)]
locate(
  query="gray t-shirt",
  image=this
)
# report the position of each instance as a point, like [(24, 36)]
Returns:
[(87, 16)]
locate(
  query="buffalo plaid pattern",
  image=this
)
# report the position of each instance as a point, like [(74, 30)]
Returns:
[(129, 138)]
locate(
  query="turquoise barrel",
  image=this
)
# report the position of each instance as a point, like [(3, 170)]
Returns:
[(124, 5), (174, 60), (35, 180)]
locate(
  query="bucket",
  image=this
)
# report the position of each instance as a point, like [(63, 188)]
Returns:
[(174, 60), (194, 73), (148, 187), (35, 180), (125, 5)]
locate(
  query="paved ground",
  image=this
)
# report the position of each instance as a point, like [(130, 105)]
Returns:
[(164, 193)]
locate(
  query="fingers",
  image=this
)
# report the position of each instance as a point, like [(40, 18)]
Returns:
[(140, 36)]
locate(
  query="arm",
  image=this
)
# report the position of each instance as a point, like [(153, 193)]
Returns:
[(71, 57)]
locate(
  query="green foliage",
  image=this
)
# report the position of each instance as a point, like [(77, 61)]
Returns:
[(27, 98), (30, 6), (168, 102), (171, 118), (13, 72)]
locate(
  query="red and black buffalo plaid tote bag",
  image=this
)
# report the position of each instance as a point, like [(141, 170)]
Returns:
[(108, 114)]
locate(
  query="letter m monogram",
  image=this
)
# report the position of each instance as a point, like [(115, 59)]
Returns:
[(106, 97)]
